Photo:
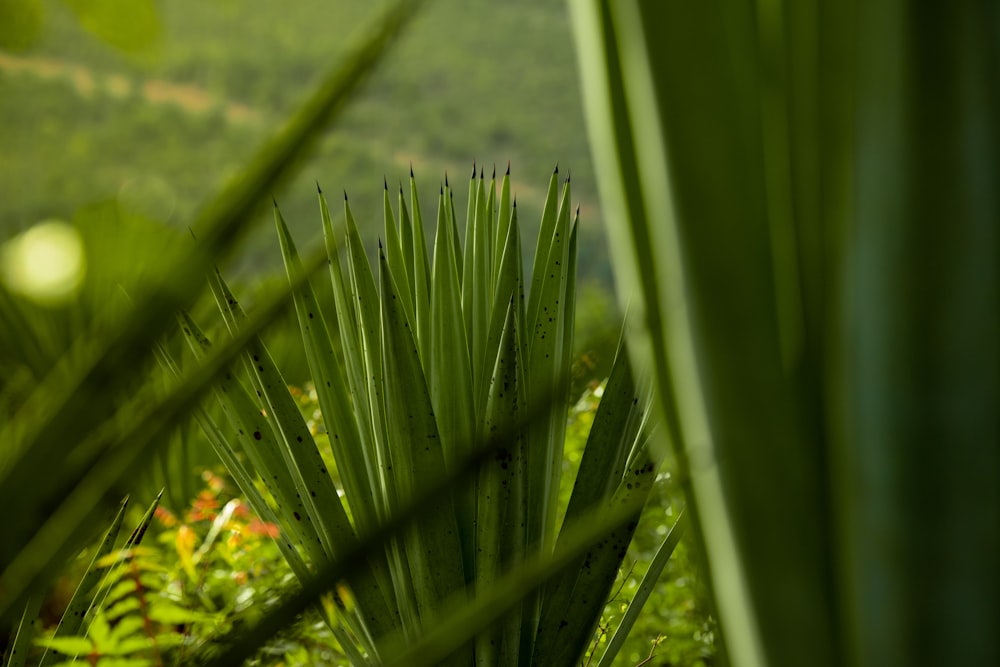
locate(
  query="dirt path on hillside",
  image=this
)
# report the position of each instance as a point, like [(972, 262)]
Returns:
[(196, 100), (89, 84)]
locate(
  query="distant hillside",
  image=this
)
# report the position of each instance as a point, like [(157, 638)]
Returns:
[(483, 81)]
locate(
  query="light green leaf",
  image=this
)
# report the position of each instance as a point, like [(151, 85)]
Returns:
[(406, 244), (503, 224), (172, 614), (450, 378), (646, 586), (545, 236), (302, 459), (356, 469), (355, 463), (394, 252), (477, 286), (433, 546), (67, 645), (349, 329), (549, 337), (500, 505), (303, 462), (257, 443), (422, 276), (370, 399), (509, 290)]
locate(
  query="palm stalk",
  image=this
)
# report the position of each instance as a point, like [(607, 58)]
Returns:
[(443, 355)]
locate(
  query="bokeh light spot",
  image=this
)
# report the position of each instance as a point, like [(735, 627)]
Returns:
[(46, 263)]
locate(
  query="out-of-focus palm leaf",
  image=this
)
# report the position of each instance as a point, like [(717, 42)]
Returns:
[(803, 228)]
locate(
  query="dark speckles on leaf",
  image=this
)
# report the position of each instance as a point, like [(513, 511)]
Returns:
[(257, 435), (299, 438), (297, 517)]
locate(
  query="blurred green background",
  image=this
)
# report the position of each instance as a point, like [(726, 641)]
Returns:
[(162, 111)]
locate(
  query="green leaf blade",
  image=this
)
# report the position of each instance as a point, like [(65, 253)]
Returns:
[(500, 507), (433, 546), (357, 470)]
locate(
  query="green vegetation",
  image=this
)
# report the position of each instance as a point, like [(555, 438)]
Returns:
[(213, 565), (438, 361), (804, 229), (392, 584), (816, 290), (169, 124)]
